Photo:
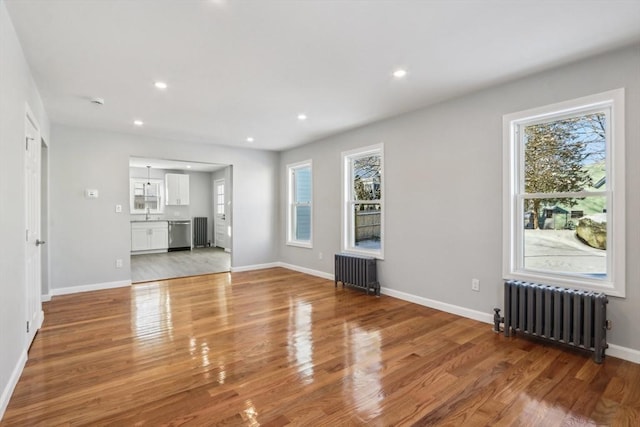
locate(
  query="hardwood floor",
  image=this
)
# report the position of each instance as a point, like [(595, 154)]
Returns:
[(276, 347)]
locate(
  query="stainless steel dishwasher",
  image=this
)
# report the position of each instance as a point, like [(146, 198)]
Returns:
[(180, 235)]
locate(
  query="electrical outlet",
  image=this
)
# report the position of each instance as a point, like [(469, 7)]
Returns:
[(320, 256), (118, 263), (475, 285), (118, 208)]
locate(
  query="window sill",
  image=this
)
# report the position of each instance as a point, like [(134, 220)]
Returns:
[(307, 245), (351, 251), (578, 283)]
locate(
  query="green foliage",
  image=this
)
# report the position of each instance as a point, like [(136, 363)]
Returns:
[(556, 154)]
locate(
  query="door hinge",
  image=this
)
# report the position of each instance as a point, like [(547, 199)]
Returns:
[(27, 326)]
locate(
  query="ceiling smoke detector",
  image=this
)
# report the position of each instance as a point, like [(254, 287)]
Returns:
[(96, 100)]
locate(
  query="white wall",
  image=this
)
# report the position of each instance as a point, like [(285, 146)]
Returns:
[(17, 89), (443, 189), (201, 198), (87, 236)]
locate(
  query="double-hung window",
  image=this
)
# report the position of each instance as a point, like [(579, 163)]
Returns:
[(564, 208), (300, 212), (363, 201)]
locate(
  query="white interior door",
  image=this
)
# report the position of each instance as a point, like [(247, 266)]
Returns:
[(33, 242), (221, 223)]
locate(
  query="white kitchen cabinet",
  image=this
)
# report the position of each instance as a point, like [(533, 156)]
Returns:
[(177, 188), (149, 236)]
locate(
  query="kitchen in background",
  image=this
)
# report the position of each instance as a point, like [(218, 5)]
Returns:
[(175, 209)]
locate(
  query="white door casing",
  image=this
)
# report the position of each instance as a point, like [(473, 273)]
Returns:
[(32, 144), (221, 233)]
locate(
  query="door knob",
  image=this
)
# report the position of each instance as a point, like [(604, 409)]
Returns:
[(40, 242)]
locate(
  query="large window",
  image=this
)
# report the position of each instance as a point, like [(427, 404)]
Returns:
[(363, 206), (564, 212), (299, 216)]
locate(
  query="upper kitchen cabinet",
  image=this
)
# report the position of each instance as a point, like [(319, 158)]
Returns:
[(146, 196), (177, 188)]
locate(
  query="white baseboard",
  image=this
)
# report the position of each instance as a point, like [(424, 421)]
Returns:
[(254, 267), (45, 297), (442, 306), (88, 288), (11, 384), (305, 270), (624, 353)]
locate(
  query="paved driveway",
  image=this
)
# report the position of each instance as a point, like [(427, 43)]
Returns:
[(560, 250)]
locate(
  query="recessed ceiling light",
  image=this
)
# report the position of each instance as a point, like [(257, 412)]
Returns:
[(302, 116), (188, 166), (400, 73), (138, 122), (160, 85), (250, 139)]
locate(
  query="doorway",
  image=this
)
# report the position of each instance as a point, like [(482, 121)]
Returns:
[(221, 229), (202, 256)]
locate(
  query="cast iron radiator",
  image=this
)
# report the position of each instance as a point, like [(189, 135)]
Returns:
[(357, 271), (200, 231), (567, 316)]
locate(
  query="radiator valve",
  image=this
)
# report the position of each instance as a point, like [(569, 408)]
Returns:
[(497, 320)]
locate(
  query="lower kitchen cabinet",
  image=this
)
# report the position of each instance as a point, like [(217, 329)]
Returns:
[(149, 236)]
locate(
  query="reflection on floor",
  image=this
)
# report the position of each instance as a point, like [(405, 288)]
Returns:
[(179, 264)]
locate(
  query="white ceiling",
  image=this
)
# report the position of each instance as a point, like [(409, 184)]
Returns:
[(247, 68)]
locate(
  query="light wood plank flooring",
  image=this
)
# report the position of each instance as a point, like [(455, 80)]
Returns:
[(276, 347), (169, 265)]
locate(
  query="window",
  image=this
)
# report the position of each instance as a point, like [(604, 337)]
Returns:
[(219, 197), (299, 215), (363, 201), (564, 173), (146, 196)]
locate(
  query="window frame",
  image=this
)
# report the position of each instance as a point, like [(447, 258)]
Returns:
[(219, 205), (347, 229), (513, 192), (132, 196), (292, 204)]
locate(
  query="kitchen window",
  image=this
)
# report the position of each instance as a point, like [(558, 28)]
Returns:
[(146, 196)]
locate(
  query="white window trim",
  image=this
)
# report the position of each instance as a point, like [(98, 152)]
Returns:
[(291, 241), (346, 192), (614, 285), (161, 196)]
